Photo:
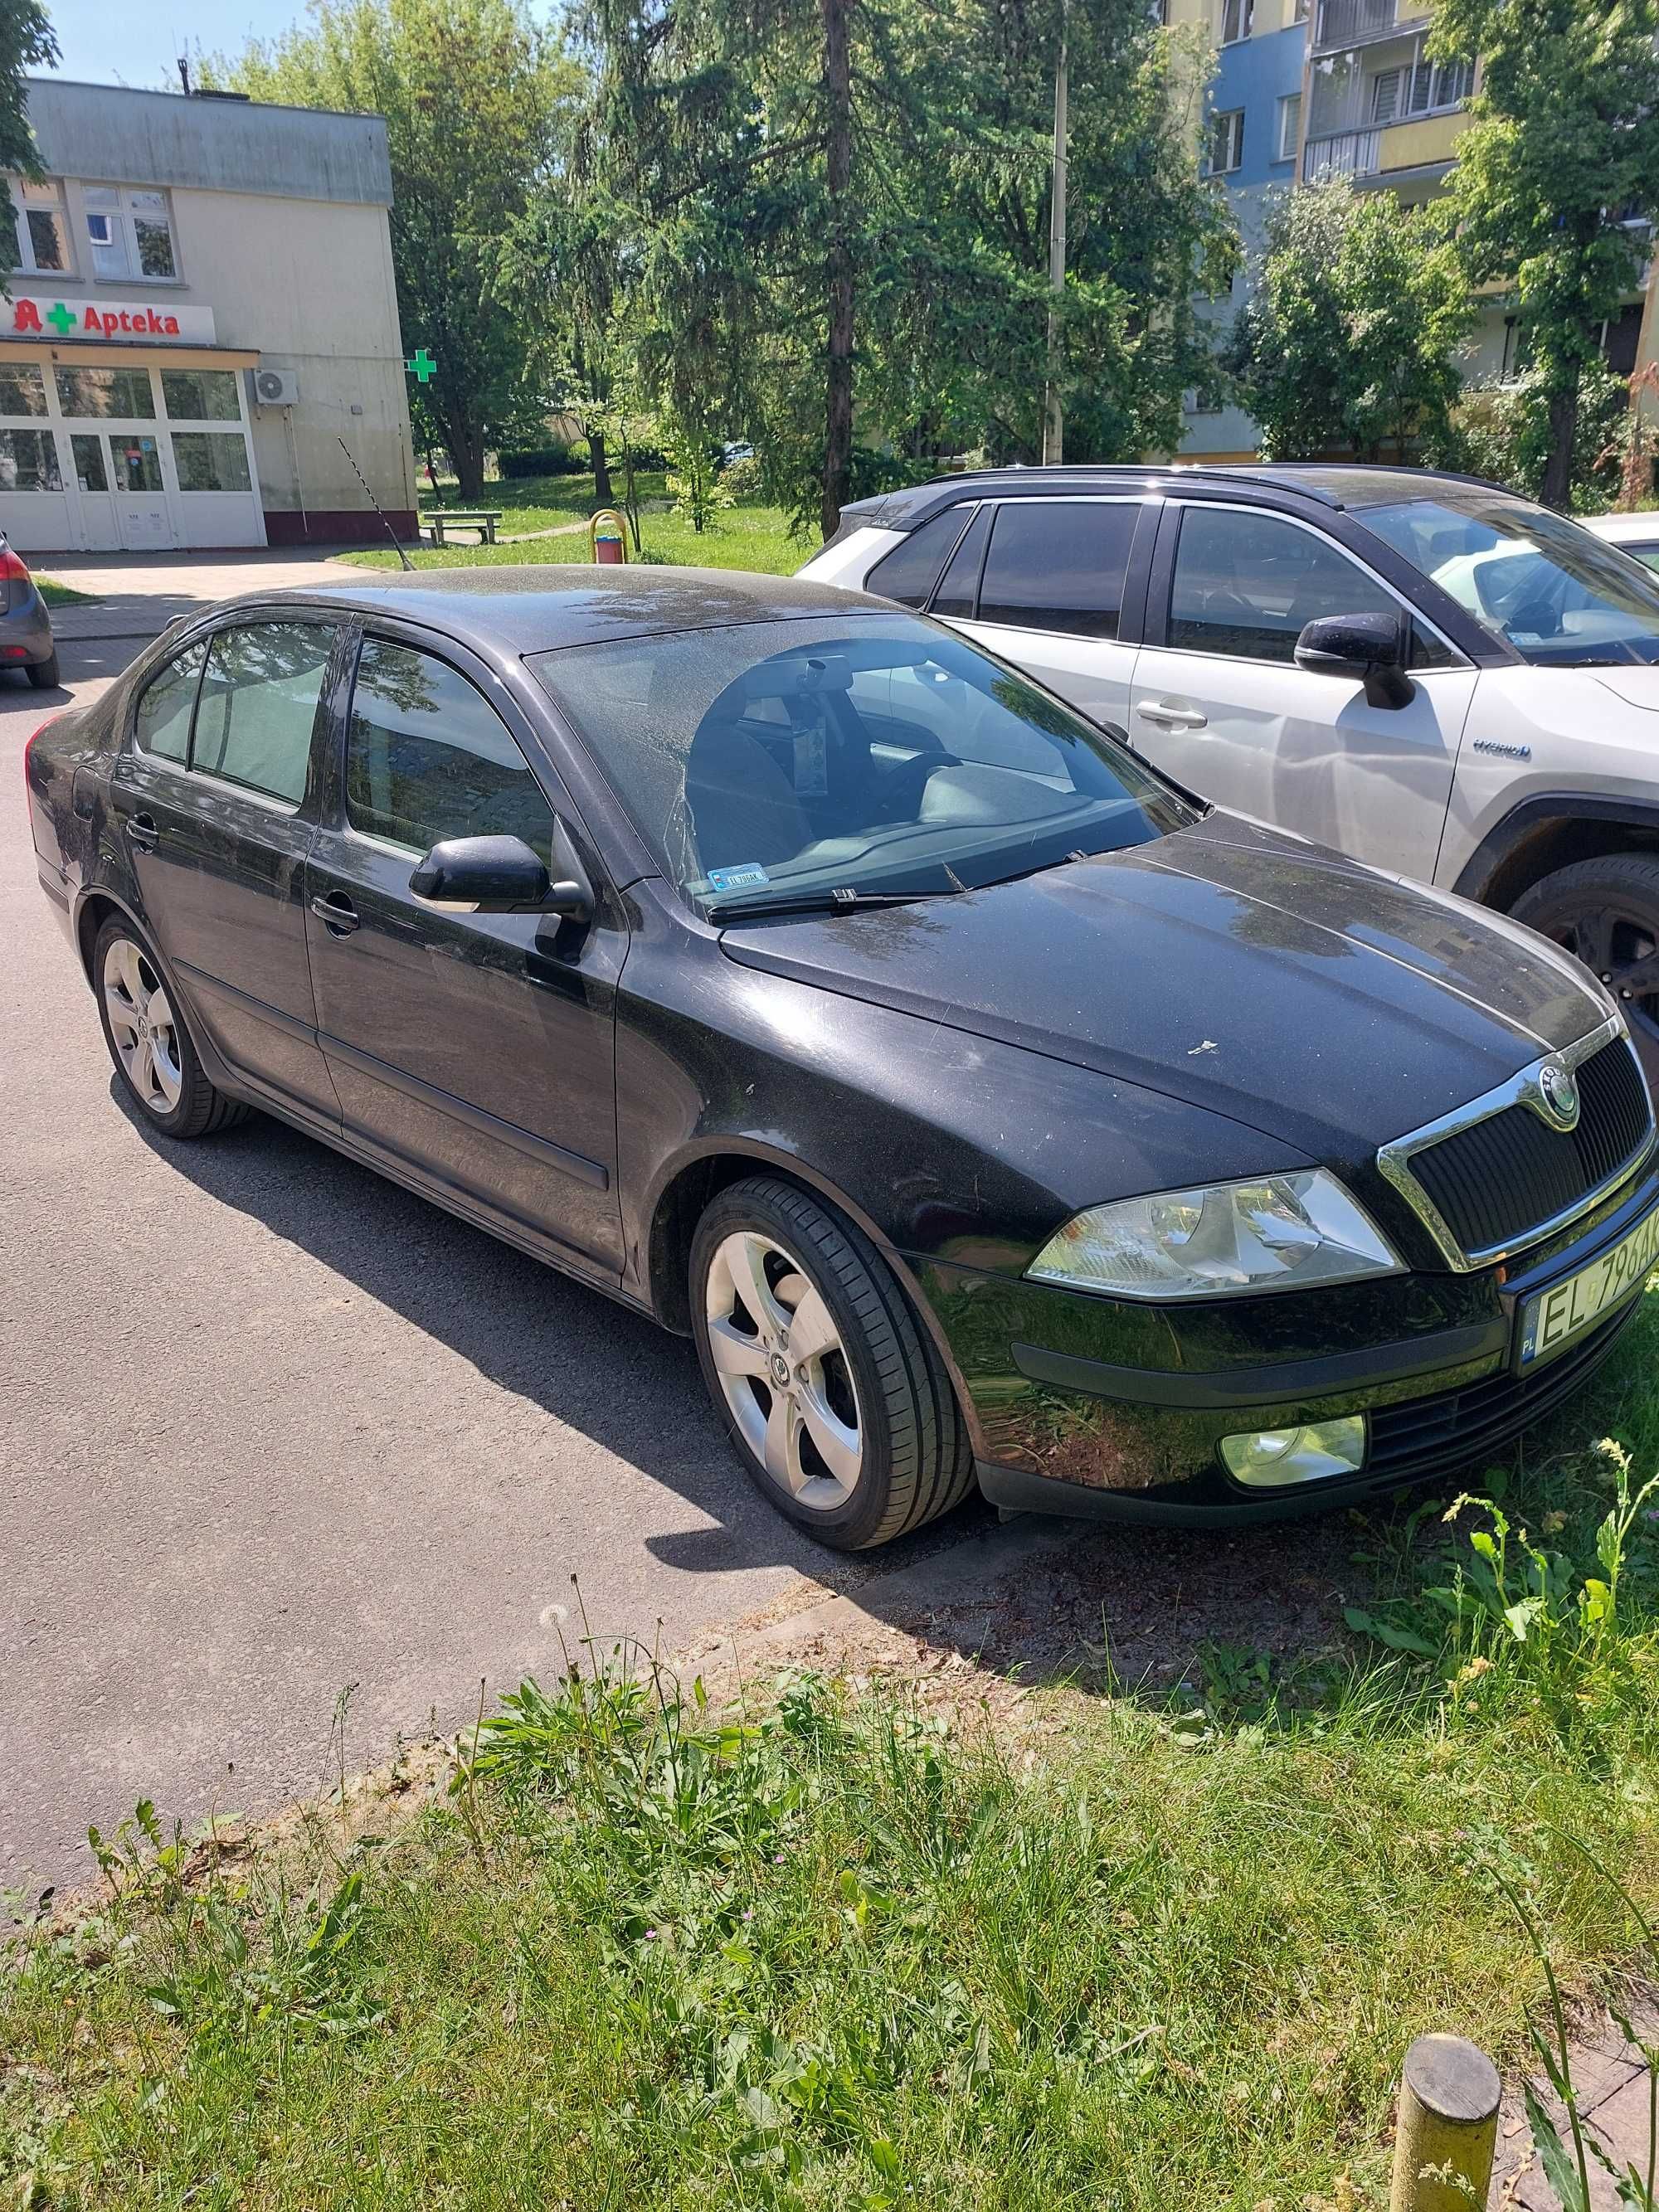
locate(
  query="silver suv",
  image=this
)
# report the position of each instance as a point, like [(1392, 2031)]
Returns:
[(1419, 669)]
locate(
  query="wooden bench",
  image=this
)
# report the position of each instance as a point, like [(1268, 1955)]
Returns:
[(481, 519)]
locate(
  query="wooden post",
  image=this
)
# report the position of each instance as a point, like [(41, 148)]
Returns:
[(1446, 2131)]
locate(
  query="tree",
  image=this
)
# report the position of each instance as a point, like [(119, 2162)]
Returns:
[(1350, 340), (476, 100), (1561, 152), (26, 42)]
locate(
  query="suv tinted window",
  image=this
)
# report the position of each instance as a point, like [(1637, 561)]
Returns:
[(259, 705), (162, 723), (910, 571), (427, 757), (1059, 564), (1245, 584), (960, 588)]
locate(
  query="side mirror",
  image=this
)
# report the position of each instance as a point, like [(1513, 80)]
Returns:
[(501, 875), (1370, 649)]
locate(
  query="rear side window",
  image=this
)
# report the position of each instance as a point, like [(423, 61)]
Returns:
[(959, 591), (910, 571), (1059, 565), (1246, 585), (162, 723), (427, 758), (259, 705)]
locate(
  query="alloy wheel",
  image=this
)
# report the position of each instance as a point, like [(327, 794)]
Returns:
[(1621, 945), (783, 1370), (141, 1023)]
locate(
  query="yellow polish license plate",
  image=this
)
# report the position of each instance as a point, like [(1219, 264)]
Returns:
[(1559, 1316)]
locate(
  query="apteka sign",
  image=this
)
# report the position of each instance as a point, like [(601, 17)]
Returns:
[(129, 322)]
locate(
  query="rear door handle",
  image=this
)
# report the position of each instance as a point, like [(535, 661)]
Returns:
[(1169, 714), (142, 828), (336, 912)]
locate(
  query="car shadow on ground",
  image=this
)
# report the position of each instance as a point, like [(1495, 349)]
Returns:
[(1139, 1605)]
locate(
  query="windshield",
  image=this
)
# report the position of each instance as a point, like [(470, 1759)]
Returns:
[(1560, 596), (877, 755)]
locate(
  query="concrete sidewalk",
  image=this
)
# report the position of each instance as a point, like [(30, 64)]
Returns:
[(139, 594)]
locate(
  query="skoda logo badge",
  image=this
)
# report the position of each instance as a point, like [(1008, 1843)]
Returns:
[(1559, 1093)]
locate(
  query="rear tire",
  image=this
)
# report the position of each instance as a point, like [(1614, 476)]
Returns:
[(155, 1061), (1606, 913), (833, 1395), (43, 674)]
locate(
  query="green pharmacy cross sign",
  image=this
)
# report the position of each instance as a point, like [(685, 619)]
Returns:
[(422, 367)]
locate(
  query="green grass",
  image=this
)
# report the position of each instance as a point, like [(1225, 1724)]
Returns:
[(64, 595), (1147, 1951), (747, 536)]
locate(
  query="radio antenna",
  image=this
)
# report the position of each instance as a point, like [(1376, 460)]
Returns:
[(397, 543)]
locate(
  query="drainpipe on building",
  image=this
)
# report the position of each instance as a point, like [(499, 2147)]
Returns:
[(299, 482)]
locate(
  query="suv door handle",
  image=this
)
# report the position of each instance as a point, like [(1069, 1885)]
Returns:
[(336, 912), (1169, 714), (142, 828)]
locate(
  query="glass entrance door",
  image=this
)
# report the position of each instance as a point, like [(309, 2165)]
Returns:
[(98, 522), (141, 499)]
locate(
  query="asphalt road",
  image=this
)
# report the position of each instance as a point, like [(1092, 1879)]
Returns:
[(272, 1430)]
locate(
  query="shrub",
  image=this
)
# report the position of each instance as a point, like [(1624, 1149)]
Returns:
[(1502, 429), (742, 479), (557, 459)]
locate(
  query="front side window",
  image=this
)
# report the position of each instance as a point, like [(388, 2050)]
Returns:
[(1246, 584), (1059, 565), (1546, 586), (28, 461), (109, 393), (257, 708), (162, 725), (130, 232), (211, 460), (804, 757), (427, 758), (910, 571)]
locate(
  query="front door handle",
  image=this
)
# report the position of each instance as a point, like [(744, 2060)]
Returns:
[(1170, 714), (142, 828), (336, 912)]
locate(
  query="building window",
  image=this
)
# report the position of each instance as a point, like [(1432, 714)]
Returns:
[(1226, 142), (131, 234), (211, 460), (1290, 126), (28, 461), (23, 389), (115, 392), (1420, 88), (1235, 18), (200, 395), (39, 229), (87, 452)]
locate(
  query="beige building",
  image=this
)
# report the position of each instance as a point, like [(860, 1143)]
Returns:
[(202, 309)]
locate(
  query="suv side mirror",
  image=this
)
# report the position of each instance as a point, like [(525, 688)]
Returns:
[(501, 875), (1371, 648)]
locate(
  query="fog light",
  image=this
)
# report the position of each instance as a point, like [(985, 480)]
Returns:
[(1277, 1459)]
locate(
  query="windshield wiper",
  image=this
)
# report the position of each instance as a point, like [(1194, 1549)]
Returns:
[(829, 902)]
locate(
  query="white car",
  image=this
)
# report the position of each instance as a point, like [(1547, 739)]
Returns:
[(1419, 669), (1636, 533)]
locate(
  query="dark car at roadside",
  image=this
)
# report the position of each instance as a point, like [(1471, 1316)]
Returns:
[(786, 966), (26, 638)]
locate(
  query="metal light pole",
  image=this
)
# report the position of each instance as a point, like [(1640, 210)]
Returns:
[(1054, 420)]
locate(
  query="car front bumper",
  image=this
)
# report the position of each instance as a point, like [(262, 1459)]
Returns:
[(1090, 1406)]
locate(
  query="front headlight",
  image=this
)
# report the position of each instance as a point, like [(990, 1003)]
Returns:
[(1276, 1233)]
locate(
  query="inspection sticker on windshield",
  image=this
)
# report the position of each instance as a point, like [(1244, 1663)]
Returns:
[(741, 878), (1557, 1317)]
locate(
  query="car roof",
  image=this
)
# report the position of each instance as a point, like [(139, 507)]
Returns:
[(1326, 484), (1644, 524), (540, 608)]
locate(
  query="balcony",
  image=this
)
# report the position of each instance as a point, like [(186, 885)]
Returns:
[(1339, 23), (1345, 153)]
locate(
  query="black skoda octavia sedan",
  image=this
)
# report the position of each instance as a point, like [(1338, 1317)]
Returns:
[(786, 966)]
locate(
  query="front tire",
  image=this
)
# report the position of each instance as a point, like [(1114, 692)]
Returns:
[(835, 1398), (155, 1059), (1606, 913)]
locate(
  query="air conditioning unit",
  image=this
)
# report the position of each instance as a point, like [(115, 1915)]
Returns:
[(273, 387)]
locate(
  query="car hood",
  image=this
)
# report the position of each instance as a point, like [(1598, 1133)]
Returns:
[(1637, 687), (1229, 965)]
